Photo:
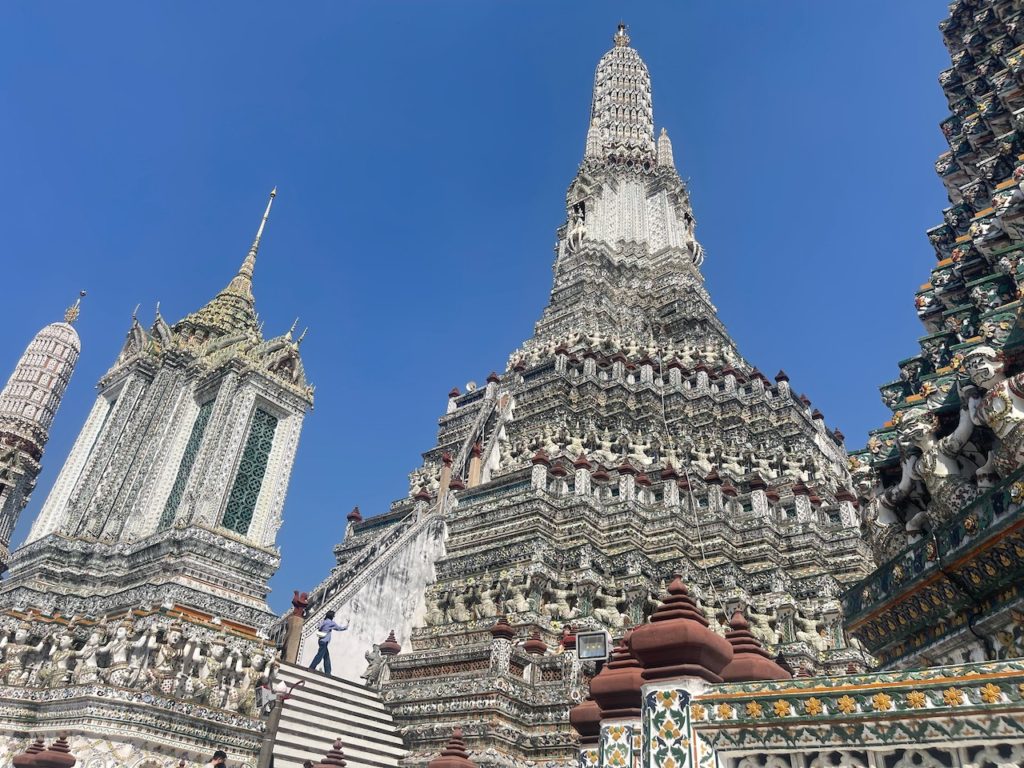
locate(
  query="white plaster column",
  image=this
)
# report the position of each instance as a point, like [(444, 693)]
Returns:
[(646, 372), (627, 484), (539, 473), (581, 481), (802, 501), (619, 367), (848, 515), (675, 376), (782, 385), (561, 359)]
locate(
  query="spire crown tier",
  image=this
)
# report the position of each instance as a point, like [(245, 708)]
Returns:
[(621, 113)]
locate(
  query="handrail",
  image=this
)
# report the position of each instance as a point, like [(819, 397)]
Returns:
[(377, 562)]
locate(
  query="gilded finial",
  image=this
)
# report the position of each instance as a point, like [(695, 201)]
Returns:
[(621, 39), (241, 284), (73, 311), (266, 215)]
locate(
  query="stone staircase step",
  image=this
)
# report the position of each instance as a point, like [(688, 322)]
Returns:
[(317, 716), (287, 756), (315, 739), (333, 685), (325, 708)]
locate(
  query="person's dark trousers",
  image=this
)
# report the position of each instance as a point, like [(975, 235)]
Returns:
[(322, 655)]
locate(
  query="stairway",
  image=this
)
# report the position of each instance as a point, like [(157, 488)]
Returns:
[(326, 708)]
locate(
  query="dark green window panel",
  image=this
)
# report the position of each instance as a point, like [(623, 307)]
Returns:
[(249, 479), (185, 468)]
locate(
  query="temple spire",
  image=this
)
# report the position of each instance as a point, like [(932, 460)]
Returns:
[(621, 112), (73, 311), (241, 283)]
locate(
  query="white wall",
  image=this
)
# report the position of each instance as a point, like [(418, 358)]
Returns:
[(392, 598)]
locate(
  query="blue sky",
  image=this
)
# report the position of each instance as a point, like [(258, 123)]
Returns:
[(422, 152)]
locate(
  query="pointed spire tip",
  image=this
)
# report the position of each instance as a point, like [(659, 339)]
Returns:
[(73, 311)]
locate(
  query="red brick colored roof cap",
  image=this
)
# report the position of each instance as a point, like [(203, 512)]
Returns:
[(668, 472), (27, 758), (625, 468), (454, 392), (838, 434), (541, 457), (817, 414), (535, 645), (519, 366), (446, 459), (457, 484), (558, 470), (582, 462), (772, 493), (757, 483), (299, 601), (677, 642), (502, 629), (805, 400), (585, 717), (600, 474), (616, 688), (422, 494), (781, 376), (568, 638), (493, 378), (57, 756), (728, 489), (454, 755), (390, 647), (799, 489), (335, 757), (845, 494), (355, 515), (713, 478), (683, 483), (750, 661), (643, 479)]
